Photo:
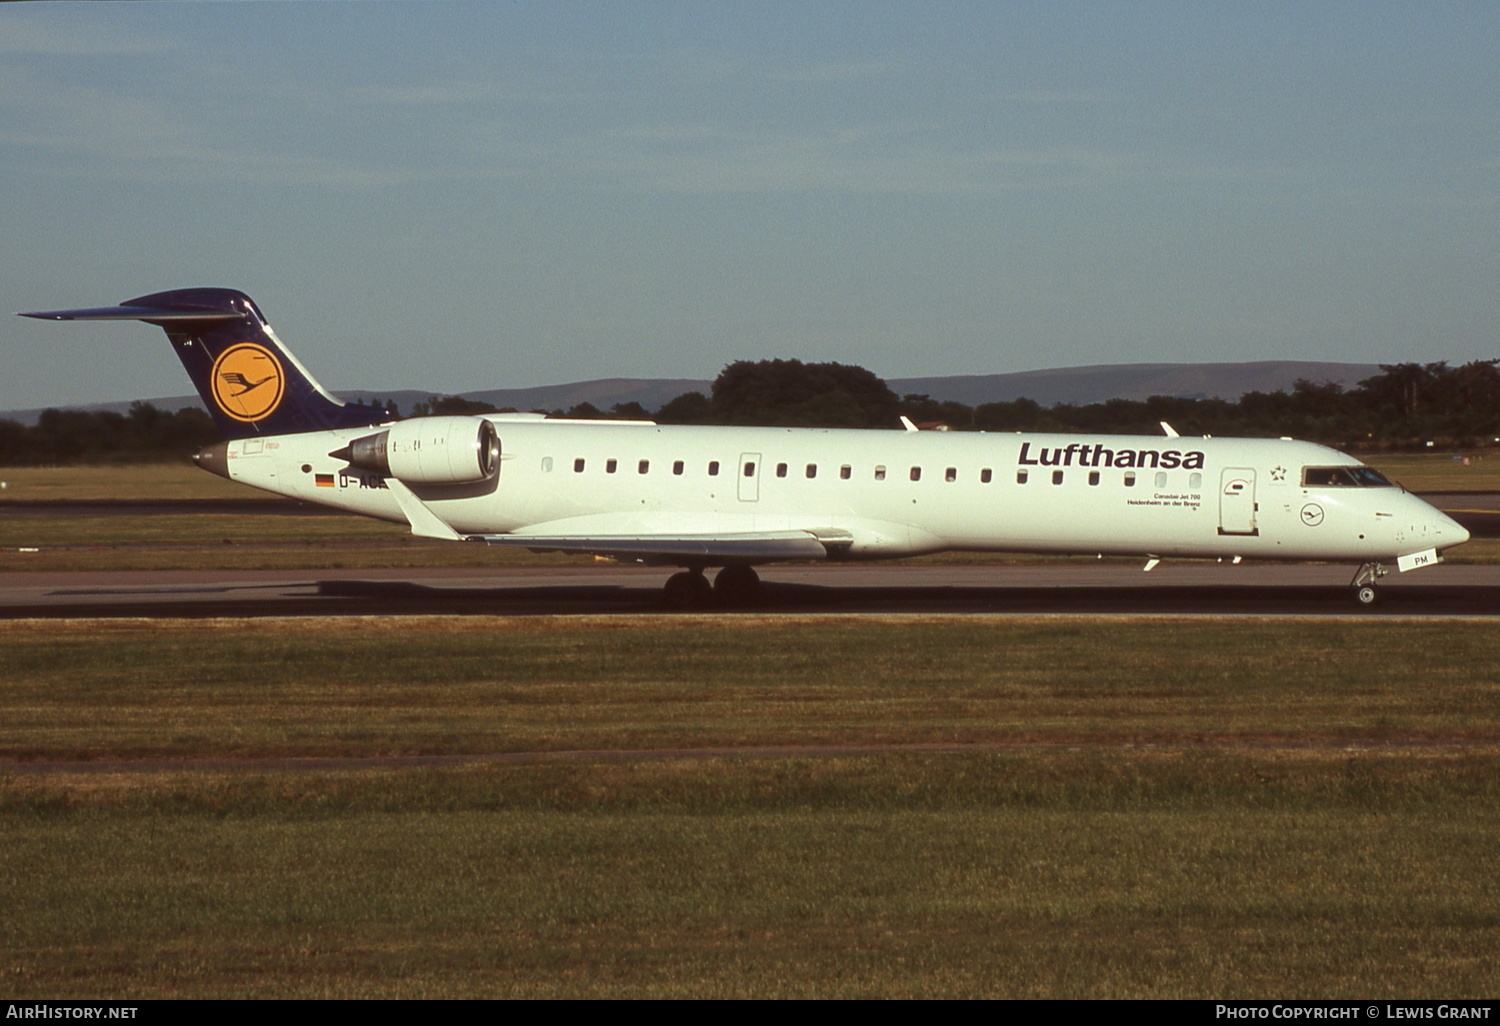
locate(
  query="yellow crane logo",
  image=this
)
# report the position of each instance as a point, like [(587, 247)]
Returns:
[(248, 382)]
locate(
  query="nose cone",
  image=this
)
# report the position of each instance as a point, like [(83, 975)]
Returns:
[(214, 459), (1450, 531)]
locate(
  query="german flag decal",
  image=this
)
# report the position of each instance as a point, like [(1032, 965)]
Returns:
[(324, 480)]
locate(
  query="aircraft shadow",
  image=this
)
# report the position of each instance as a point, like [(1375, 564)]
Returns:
[(408, 597)]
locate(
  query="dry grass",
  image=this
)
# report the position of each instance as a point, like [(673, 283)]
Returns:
[(192, 530), (1440, 471), (238, 542), (1046, 874), (419, 685), (133, 481), (1206, 809)]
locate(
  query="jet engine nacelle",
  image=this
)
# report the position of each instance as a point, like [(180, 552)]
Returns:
[(429, 450)]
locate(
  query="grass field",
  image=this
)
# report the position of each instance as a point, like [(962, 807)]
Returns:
[(191, 541), (1146, 808), (1440, 471), (131, 481)]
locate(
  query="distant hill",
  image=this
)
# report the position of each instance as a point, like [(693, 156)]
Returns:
[(1083, 385), (1076, 385), (652, 393)]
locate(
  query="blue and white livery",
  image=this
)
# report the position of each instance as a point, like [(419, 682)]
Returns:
[(733, 497)]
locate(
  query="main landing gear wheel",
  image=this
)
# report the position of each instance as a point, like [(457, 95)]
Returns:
[(687, 590), (737, 586)]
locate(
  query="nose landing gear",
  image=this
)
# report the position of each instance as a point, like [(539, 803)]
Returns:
[(1365, 593)]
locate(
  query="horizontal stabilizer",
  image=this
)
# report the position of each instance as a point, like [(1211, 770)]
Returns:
[(153, 315)]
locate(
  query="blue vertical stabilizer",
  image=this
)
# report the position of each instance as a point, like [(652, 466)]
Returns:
[(250, 382)]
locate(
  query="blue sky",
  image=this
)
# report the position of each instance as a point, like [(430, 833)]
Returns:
[(482, 195)]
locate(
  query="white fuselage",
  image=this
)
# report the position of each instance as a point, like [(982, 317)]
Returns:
[(895, 493)]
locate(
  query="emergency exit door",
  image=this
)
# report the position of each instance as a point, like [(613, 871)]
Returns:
[(749, 477)]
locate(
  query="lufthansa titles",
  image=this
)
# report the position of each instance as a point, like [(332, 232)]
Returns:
[(1099, 455)]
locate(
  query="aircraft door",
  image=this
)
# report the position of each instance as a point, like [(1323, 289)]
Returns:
[(1237, 501), (749, 477)]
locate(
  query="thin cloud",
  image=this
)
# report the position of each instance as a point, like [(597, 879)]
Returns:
[(23, 35), (1060, 97), (446, 93), (831, 72)]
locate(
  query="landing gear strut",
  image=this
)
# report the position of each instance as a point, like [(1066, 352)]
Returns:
[(1365, 577)]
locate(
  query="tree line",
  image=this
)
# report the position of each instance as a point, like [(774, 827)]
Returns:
[(1406, 405), (145, 434)]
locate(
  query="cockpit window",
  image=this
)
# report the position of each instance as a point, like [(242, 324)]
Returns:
[(1344, 477)]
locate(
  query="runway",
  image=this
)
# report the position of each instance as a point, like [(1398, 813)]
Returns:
[(1179, 589)]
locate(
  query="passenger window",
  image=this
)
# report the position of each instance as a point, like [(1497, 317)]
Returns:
[(1057, 477), (546, 464), (880, 473), (578, 466), (1093, 477), (812, 470), (845, 471), (951, 474), (609, 466), (713, 468), (986, 475), (1161, 479), (781, 470), (916, 473), (644, 466), (1195, 481), (1020, 477), (677, 468), (1129, 479)]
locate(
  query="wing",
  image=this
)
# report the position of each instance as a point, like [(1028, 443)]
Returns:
[(631, 542), (746, 547)]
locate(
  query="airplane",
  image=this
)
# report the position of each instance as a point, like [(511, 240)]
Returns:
[(733, 498)]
